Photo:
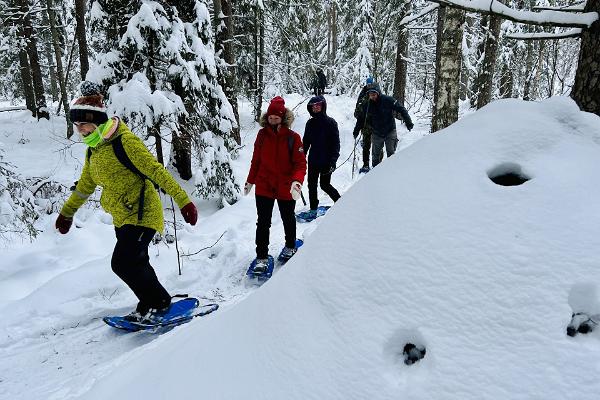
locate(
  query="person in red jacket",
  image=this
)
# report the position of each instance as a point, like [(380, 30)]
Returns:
[(277, 169)]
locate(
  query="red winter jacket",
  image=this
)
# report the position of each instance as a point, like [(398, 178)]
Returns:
[(272, 169)]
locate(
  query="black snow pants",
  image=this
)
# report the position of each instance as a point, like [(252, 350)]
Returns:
[(131, 263), (316, 173), (264, 210)]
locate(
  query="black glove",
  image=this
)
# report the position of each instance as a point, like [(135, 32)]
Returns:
[(409, 125), (356, 132)]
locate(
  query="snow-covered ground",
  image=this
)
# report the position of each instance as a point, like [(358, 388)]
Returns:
[(423, 249)]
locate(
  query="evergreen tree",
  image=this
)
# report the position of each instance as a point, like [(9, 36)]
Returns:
[(161, 76)]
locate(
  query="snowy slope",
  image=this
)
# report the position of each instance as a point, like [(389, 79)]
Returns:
[(427, 249)]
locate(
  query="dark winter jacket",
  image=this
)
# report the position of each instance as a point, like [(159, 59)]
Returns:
[(319, 80), (275, 164), (379, 115), (363, 98), (321, 136)]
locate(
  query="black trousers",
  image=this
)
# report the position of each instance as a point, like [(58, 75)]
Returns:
[(314, 174), (131, 263), (264, 210)]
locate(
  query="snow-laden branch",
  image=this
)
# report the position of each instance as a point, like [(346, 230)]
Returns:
[(543, 18), (410, 18), (571, 33), (572, 8)]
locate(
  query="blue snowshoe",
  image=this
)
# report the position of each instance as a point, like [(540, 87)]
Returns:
[(310, 215), (287, 253), (179, 312), (261, 269)]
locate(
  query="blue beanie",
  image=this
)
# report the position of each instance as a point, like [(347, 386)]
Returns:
[(370, 80)]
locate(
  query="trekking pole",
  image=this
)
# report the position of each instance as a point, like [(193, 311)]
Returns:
[(354, 156), (176, 242), (302, 196)]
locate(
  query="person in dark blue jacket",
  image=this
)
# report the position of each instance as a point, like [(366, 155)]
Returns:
[(378, 115), (322, 144)]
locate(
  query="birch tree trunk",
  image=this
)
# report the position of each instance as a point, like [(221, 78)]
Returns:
[(448, 62), (586, 89)]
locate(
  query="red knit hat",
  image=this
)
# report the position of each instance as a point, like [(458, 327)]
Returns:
[(89, 107), (277, 107)]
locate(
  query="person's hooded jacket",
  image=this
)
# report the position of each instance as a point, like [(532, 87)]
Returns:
[(321, 136), (379, 114), (278, 159)]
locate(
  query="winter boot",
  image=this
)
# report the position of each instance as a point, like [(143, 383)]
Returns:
[(288, 252), (364, 169), (261, 266)]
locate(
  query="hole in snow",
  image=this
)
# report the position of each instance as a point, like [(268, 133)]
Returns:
[(413, 353), (508, 174)]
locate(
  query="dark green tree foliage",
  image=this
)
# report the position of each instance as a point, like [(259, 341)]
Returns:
[(161, 75)]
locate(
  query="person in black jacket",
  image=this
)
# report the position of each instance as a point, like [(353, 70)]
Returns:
[(322, 144), (319, 82), (363, 97), (378, 115)]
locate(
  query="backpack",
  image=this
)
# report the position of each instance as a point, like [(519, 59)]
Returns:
[(124, 159)]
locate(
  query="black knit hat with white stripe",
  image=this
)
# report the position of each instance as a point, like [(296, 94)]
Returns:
[(89, 107)]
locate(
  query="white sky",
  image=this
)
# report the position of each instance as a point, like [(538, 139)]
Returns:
[(424, 248)]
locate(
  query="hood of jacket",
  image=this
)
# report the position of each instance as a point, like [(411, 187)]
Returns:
[(317, 99), (287, 120)]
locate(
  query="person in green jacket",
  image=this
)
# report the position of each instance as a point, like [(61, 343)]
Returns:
[(123, 194)]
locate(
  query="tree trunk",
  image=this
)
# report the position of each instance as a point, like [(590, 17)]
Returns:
[(51, 70), (34, 61), (154, 130), (59, 67), (506, 82), (488, 65), (465, 72), (538, 70), (448, 61), (259, 57), (81, 38), (476, 84), (24, 68), (401, 55), (586, 89), (224, 43)]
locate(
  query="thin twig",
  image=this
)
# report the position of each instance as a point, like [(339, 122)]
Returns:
[(206, 248)]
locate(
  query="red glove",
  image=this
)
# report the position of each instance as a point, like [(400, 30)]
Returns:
[(63, 224), (190, 213)]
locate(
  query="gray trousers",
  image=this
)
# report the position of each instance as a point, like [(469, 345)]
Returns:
[(390, 141)]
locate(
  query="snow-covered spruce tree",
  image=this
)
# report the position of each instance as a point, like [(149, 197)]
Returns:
[(17, 205), (354, 58), (161, 76)]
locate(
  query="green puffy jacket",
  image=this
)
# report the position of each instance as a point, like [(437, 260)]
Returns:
[(121, 187)]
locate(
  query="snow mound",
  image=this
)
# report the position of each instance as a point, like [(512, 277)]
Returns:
[(425, 249)]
